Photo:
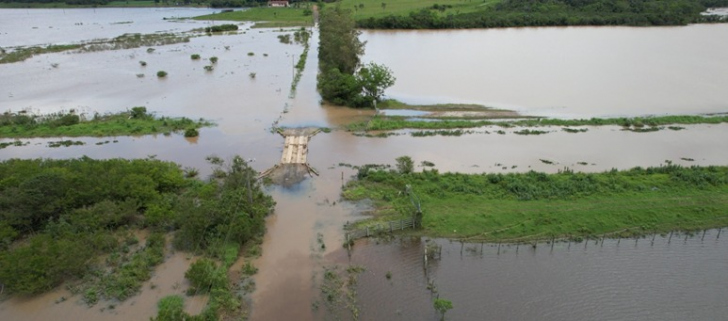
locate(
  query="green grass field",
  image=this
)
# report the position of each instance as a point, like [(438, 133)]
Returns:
[(363, 9), (289, 16), (120, 124), (536, 206)]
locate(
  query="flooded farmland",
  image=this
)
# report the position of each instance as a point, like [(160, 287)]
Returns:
[(628, 79)]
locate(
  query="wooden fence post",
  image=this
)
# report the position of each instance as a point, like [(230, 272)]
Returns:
[(719, 233), (669, 238)]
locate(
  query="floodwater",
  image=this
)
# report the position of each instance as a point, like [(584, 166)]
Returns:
[(671, 277), (561, 72), (310, 214)]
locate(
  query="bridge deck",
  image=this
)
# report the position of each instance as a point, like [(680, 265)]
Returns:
[(295, 150)]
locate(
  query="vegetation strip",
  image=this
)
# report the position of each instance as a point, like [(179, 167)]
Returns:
[(639, 124), (537, 206), (300, 36), (526, 13), (277, 17), (136, 121), (125, 41)]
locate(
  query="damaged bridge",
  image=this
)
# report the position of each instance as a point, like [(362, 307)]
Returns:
[(293, 167)]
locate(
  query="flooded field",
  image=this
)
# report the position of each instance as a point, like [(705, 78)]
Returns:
[(671, 277), (245, 109), (562, 72)]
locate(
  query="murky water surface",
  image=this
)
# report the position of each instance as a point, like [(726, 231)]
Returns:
[(675, 277), (563, 72), (625, 81)]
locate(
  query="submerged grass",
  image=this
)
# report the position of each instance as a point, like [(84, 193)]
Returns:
[(69, 124), (126, 41), (537, 206), (637, 124), (20, 54)]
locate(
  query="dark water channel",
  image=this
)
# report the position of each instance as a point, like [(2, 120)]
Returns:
[(671, 278)]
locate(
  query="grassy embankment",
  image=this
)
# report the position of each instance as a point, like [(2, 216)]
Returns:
[(134, 122), (538, 206), (266, 17), (78, 222), (639, 124)]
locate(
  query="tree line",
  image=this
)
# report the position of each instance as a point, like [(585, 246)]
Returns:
[(523, 13), (342, 79), (57, 217)]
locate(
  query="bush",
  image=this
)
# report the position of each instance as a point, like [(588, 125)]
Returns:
[(205, 275), (213, 60), (143, 63), (161, 74), (139, 112), (221, 28), (405, 165), (68, 120), (171, 308), (195, 57), (191, 132)]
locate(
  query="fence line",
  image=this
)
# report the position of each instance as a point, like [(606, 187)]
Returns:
[(379, 228)]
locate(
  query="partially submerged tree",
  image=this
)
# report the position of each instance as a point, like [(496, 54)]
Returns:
[(374, 79), (442, 306)]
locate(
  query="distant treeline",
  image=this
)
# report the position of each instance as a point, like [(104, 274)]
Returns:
[(72, 2), (521, 13)]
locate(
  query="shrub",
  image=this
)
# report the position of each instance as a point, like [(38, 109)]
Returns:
[(251, 54), (252, 75), (191, 132), (171, 308), (221, 28), (139, 112), (195, 57), (405, 165), (213, 60), (205, 275), (143, 63), (209, 68), (161, 74)]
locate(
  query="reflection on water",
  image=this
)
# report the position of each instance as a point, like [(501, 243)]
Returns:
[(675, 277), (562, 72)]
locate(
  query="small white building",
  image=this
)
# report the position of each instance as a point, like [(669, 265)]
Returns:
[(278, 3)]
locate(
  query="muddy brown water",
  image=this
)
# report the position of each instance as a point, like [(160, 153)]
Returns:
[(675, 277), (245, 109), (563, 72)]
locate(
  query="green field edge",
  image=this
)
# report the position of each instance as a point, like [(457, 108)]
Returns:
[(646, 123), (110, 125), (656, 203)]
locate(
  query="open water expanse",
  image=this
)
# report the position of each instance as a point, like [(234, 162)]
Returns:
[(562, 72)]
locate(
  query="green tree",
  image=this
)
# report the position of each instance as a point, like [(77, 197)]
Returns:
[(339, 44), (374, 79), (405, 165), (442, 306)]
